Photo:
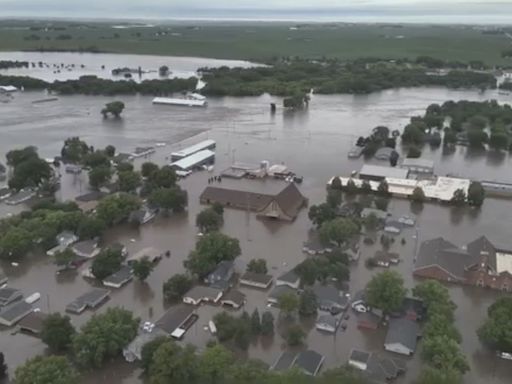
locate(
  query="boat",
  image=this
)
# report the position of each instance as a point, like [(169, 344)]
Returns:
[(33, 298)]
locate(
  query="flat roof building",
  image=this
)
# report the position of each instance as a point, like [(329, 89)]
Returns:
[(91, 299), (379, 173), (257, 280), (206, 144), (198, 159)]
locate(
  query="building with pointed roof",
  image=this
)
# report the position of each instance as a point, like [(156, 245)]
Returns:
[(479, 263)]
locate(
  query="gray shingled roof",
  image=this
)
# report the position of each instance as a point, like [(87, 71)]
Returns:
[(257, 277), (120, 277), (8, 295), (235, 296), (284, 362), (444, 254), (174, 317), (13, 311), (482, 246), (289, 277), (309, 361), (329, 296), (403, 331)]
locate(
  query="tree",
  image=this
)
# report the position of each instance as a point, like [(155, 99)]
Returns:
[(477, 138), (218, 208), (74, 150), (307, 303), (148, 168), (386, 291), (124, 167), (110, 150), (383, 188), (99, 176), (336, 183), (30, 173), (243, 330), (418, 196), (499, 140), (257, 266), (96, 159), (366, 187), (163, 70), (436, 298), (267, 323), (393, 158), (414, 133), (106, 263), (450, 137), (148, 350), (476, 194), (308, 271), (458, 198), (114, 108), (443, 353), (371, 222), (431, 375), (496, 332), (210, 250), (319, 214), (129, 181), (17, 156), (174, 364), (15, 243), (440, 325), (46, 370), (413, 153), (57, 332), (288, 303), (104, 336), (114, 209), (90, 227), (334, 197), (255, 322), (177, 286), (295, 335), (297, 101), (214, 363), (351, 187), (170, 199), (381, 203), (209, 220), (3, 367), (164, 177), (142, 268), (338, 231), (390, 142)]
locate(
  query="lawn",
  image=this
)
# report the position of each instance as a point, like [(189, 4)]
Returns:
[(262, 41)]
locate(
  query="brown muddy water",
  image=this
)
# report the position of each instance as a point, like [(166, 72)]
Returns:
[(313, 143)]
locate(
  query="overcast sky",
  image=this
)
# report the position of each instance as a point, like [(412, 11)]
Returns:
[(407, 9)]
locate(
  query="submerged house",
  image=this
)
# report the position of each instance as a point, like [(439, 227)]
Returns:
[(256, 280), (290, 279), (309, 362), (479, 263), (220, 277), (276, 200), (402, 336)]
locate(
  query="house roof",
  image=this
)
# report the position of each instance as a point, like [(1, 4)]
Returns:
[(483, 247), (199, 292), (359, 356), (174, 317), (86, 247), (91, 196), (235, 296), (386, 256), (403, 331), (328, 319), (444, 254), (290, 200), (124, 274), (281, 290), (284, 361), (13, 311), (88, 299), (289, 277), (259, 278), (309, 361), (33, 322), (328, 295), (222, 271), (8, 294)]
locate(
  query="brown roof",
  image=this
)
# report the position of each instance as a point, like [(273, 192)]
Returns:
[(33, 322), (289, 199)]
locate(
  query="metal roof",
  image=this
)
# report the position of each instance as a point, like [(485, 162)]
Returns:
[(193, 160), (403, 331), (206, 144), (14, 311)]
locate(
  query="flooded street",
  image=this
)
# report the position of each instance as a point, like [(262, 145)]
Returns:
[(314, 144)]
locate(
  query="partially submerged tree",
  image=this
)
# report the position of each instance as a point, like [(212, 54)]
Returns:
[(386, 291), (57, 332), (142, 268), (46, 370), (113, 108), (209, 220), (257, 266), (177, 286), (106, 263)]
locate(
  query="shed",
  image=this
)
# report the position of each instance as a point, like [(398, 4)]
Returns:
[(33, 322), (368, 320), (185, 152), (233, 298), (14, 312), (196, 295), (402, 336), (290, 278), (257, 280)]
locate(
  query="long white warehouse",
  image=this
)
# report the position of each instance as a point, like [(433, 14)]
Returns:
[(206, 144), (189, 102), (198, 159)]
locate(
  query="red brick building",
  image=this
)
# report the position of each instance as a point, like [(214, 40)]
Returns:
[(479, 263)]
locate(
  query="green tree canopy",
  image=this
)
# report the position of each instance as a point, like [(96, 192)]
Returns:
[(497, 329), (99, 176), (288, 303), (74, 150), (321, 213), (476, 194), (46, 370), (104, 336), (431, 375), (106, 263), (57, 332), (267, 323), (129, 181), (142, 268), (210, 250), (295, 335), (90, 227), (177, 286), (30, 173), (458, 198), (443, 353), (338, 231), (174, 364), (386, 291), (148, 168), (307, 303), (209, 220), (114, 209), (257, 266), (169, 199), (214, 363), (114, 108), (148, 350)]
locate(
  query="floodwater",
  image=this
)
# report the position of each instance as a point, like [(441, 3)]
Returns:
[(314, 144), (72, 65)]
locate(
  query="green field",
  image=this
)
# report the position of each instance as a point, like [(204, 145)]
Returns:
[(262, 41)]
